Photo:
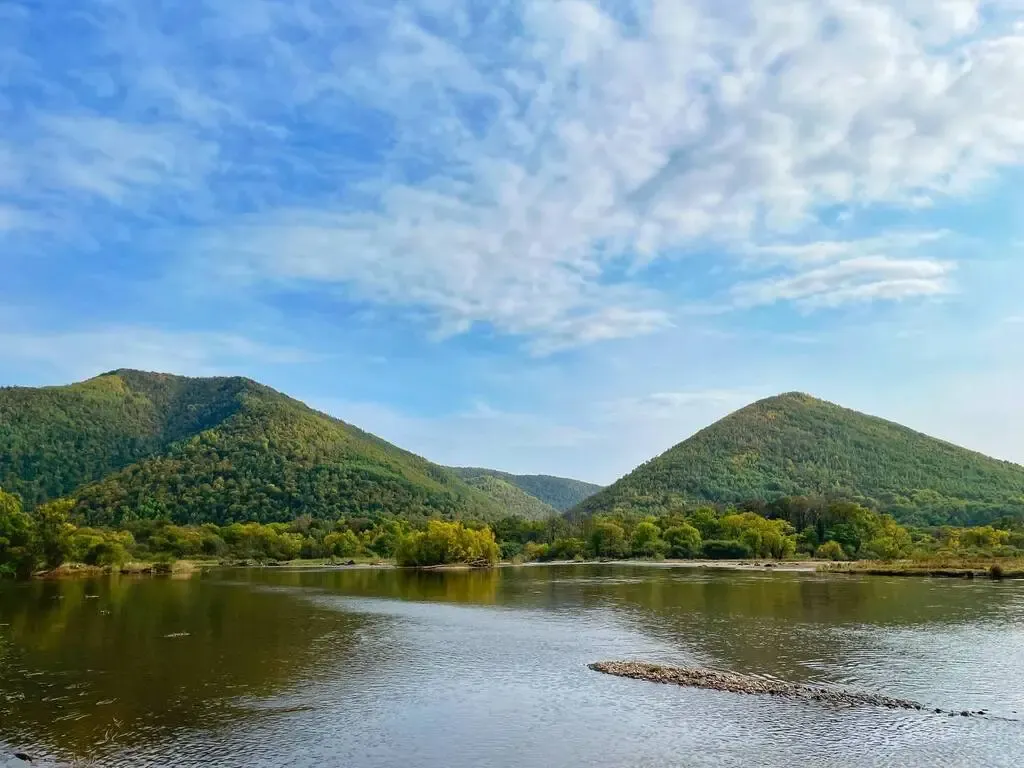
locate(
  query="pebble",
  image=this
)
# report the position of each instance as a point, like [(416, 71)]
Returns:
[(695, 677)]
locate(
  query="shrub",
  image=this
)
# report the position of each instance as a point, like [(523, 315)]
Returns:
[(533, 550), (443, 543), (608, 539), (726, 549), (830, 550), (646, 541), (567, 549), (684, 541), (342, 544)]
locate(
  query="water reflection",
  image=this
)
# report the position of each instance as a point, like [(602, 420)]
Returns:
[(94, 664), (446, 669)]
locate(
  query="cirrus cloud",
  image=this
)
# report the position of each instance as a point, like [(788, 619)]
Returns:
[(531, 165)]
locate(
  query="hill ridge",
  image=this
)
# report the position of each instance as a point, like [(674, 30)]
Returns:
[(797, 444), (558, 493), (128, 444)]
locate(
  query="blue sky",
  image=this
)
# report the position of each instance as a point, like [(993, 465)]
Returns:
[(545, 236)]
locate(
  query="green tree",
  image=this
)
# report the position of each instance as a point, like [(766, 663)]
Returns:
[(983, 537), (719, 549), (342, 544), (17, 556), (684, 541), (567, 549), (444, 542), (54, 531), (705, 520), (646, 540), (608, 539), (830, 550)]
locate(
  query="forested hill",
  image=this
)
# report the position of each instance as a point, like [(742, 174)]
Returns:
[(129, 444), (794, 444), (512, 498), (561, 493)]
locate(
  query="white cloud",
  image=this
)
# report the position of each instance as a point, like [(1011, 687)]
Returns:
[(862, 279), (80, 354), (671, 405), (12, 218), (112, 159), (798, 254), (520, 168), (525, 171)]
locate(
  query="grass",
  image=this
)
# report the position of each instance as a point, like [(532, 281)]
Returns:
[(940, 565)]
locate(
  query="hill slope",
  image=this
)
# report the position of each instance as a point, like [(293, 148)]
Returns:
[(794, 444), (139, 445), (511, 498), (561, 493)]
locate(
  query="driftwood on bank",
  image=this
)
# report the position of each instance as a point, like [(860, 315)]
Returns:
[(695, 677)]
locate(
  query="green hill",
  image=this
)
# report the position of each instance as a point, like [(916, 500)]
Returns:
[(130, 445), (511, 498), (561, 493), (794, 444)]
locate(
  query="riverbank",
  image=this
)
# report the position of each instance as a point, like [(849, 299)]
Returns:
[(946, 567), (133, 568), (956, 568)]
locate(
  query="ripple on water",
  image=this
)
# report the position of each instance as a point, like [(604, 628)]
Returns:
[(383, 668)]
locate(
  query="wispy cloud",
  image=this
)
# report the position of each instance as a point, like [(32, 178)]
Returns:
[(531, 165), (863, 279), (113, 159), (670, 405), (79, 354), (12, 219)]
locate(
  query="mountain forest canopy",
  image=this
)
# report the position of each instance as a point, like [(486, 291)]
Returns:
[(796, 445), (132, 446), (129, 445), (560, 493)]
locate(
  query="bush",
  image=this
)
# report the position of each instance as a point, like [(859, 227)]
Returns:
[(567, 549), (646, 541), (443, 543), (608, 539), (726, 549), (533, 550), (684, 541), (830, 550), (17, 551), (342, 544), (510, 550)]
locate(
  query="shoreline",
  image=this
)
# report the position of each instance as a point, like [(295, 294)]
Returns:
[(186, 568)]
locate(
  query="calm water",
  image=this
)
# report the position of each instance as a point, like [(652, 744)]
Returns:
[(386, 668)]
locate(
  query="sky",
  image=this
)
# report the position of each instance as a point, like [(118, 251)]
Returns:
[(551, 236)]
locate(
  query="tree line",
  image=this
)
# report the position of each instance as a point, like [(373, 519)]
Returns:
[(791, 527)]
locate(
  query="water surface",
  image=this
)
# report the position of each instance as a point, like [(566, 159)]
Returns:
[(375, 668)]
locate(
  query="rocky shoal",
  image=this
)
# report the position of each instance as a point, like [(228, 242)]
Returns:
[(695, 677)]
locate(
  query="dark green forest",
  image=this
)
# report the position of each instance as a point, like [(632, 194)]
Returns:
[(795, 445), (512, 499), (131, 466), (561, 493), (130, 445)]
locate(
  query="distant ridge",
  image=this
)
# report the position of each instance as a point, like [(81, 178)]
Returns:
[(560, 493), (795, 444)]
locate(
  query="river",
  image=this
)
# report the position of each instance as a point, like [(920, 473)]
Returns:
[(373, 667)]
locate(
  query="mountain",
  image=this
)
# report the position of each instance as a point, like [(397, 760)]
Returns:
[(512, 498), (129, 444), (561, 493), (794, 444)]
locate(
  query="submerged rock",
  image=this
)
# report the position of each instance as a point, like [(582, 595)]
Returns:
[(695, 677)]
